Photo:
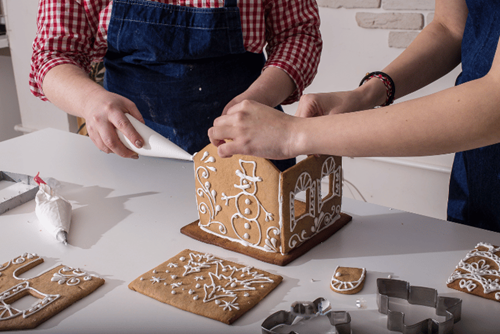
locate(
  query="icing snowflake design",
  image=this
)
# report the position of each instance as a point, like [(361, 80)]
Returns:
[(155, 279), (73, 278), (172, 265), (7, 311), (479, 272), (229, 306)]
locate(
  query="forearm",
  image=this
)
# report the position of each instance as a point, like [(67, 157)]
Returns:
[(456, 119), (69, 88), (271, 88), (435, 52)]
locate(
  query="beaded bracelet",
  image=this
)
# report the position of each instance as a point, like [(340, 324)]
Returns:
[(388, 83)]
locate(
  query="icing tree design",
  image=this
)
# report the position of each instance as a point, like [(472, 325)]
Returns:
[(247, 204), (8, 312), (197, 262), (479, 268), (73, 278), (227, 285), (210, 286)]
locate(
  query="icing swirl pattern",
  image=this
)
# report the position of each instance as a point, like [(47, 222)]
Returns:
[(480, 267)]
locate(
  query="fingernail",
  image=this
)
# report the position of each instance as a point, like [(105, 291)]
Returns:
[(138, 144), (135, 156)]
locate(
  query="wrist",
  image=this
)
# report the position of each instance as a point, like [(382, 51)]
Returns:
[(372, 93), (300, 142)]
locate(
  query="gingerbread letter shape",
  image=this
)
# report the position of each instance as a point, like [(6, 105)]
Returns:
[(56, 289)]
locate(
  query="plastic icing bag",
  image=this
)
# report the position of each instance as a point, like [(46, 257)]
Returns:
[(53, 211)]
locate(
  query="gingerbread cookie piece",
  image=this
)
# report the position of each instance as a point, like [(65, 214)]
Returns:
[(348, 280), (56, 289), (478, 273), (205, 285)]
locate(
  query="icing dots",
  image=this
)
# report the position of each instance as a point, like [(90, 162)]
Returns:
[(224, 283)]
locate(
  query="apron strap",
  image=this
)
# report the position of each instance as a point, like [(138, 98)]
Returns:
[(230, 3)]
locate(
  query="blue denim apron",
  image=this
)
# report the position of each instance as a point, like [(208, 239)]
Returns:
[(474, 197), (179, 65)]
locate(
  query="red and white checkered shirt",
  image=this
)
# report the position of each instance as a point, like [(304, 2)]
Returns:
[(75, 31)]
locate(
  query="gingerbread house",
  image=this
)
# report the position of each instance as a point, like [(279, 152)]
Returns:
[(247, 205)]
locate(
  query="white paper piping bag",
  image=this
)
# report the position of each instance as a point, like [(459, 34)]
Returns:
[(155, 145), (53, 211)]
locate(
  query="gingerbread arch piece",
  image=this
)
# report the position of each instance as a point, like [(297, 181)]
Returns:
[(247, 205), (55, 290)]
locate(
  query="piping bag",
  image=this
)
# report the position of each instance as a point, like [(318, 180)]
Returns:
[(155, 145), (53, 211)]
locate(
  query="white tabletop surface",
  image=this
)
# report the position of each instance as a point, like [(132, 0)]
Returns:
[(126, 220)]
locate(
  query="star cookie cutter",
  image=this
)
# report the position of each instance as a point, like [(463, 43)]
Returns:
[(303, 311), (449, 307)]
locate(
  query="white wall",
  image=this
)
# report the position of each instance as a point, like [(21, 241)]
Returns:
[(21, 30), (9, 107)]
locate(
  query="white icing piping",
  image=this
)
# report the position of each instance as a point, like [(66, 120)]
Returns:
[(73, 278), (223, 283), (270, 244), (476, 270), (8, 312), (329, 218), (344, 286), (280, 213)]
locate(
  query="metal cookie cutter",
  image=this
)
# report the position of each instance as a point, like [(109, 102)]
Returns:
[(304, 311), (451, 308), (26, 194)]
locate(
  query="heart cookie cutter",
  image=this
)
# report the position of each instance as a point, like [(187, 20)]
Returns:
[(303, 311), (450, 308)]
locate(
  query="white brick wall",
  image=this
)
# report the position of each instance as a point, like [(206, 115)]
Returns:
[(407, 17)]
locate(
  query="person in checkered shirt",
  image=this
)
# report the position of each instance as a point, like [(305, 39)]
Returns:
[(175, 64)]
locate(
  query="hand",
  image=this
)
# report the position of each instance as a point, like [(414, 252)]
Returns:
[(234, 102), (104, 113), (253, 129), (312, 105)]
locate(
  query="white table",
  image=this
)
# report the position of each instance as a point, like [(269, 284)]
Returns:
[(126, 220)]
